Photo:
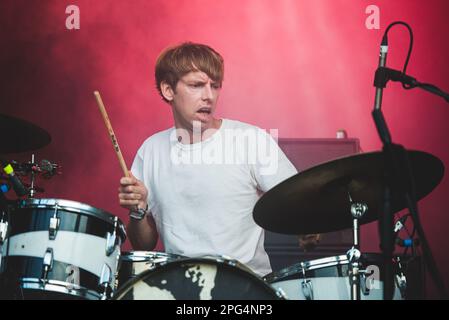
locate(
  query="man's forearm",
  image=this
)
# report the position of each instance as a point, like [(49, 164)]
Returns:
[(143, 234)]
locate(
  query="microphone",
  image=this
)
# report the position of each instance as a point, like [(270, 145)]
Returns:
[(17, 185), (380, 81)]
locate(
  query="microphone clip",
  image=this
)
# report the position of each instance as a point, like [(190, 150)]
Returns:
[(384, 74)]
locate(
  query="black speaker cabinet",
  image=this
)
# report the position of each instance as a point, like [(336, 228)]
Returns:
[(284, 250)]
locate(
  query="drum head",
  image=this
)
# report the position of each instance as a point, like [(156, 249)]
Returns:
[(197, 279)]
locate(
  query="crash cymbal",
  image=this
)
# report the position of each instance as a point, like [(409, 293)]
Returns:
[(20, 135), (316, 200)]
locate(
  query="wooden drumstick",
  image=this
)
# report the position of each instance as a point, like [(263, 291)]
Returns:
[(107, 122)]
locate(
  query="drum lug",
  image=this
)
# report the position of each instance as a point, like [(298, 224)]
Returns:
[(110, 243), (123, 230), (306, 285), (3, 235), (105, 282), (363, 287), (3, 230), (111, 239), (307, 289), (47, 265), (54, 224), (281, 294)]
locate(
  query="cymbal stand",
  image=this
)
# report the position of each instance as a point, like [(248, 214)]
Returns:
[(358, 210)]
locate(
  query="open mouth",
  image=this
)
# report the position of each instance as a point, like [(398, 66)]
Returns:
[(205, 110)]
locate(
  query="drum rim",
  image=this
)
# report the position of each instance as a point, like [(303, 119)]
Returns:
[(57, 286), (141, 255), (74, 207), (306, 266), (310, 265), (218, 259)]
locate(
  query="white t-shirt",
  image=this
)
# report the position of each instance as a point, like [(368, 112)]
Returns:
[(202, 195)]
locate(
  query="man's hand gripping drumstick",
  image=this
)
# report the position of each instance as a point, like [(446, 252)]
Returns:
[(132, 192)]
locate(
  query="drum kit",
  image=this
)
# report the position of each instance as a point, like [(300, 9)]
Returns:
[(62, 249)]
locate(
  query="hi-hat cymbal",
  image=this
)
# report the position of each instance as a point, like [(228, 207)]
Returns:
[(20, 136), (316, 200)]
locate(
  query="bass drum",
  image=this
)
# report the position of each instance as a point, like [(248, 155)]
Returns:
[(327, 279), (206, 278), (60, 249), (133, 263)]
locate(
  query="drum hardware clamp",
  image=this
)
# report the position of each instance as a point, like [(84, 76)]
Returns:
[(54, 224), (47, 265)]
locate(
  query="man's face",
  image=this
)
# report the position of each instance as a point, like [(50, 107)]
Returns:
[(195, 99)]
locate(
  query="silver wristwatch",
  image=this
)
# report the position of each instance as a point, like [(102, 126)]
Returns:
[(138, 213)]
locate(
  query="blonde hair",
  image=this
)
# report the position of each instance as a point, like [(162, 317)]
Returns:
[(175, 62)]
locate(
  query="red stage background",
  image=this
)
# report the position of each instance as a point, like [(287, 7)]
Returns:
[(303, 67)]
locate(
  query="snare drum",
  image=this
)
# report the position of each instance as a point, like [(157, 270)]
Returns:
[(208, 278), (60, 249), (327, 279), (133, 263)]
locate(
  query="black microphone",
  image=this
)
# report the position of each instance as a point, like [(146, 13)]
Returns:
[(379, 82), (17, 185)]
